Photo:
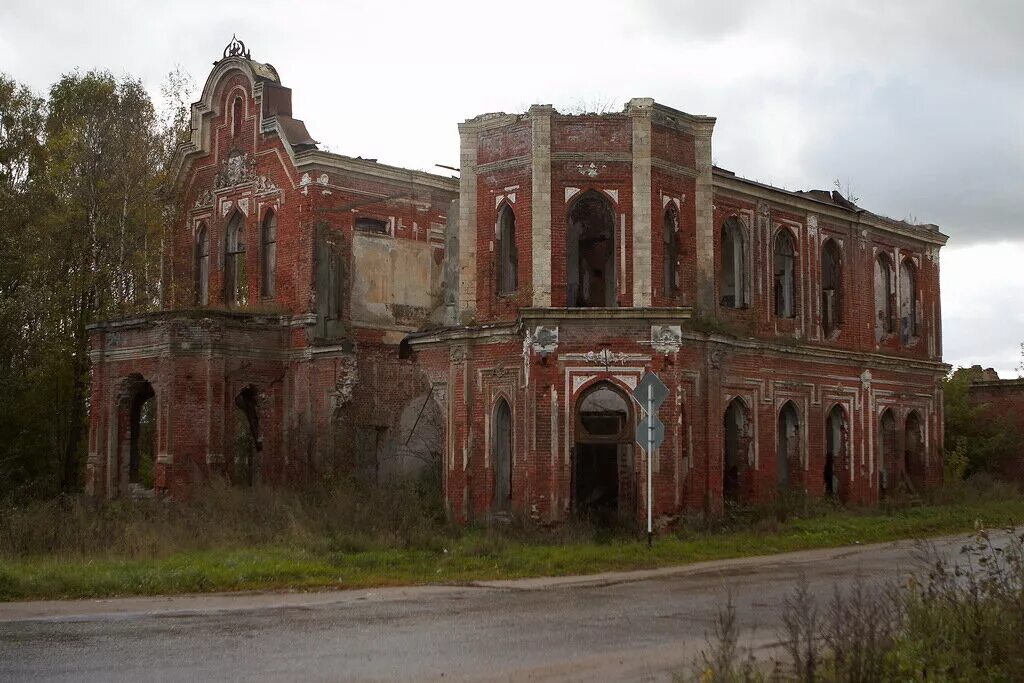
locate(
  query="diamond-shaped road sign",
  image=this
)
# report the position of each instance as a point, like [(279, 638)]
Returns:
[(651, 389), (643, 431), (650, 393)]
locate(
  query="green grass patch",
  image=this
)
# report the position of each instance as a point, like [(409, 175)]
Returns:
[(476, 554)]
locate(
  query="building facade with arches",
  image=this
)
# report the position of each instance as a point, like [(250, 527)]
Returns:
[(325, 314)]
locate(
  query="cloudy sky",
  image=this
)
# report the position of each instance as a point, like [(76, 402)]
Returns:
[(918, 106)]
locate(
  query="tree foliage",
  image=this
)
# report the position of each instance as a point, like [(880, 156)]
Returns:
[(81, 233)]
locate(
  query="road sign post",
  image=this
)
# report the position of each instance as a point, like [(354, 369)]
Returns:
[(650, 393)]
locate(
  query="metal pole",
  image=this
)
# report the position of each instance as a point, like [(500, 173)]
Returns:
[(650, 457)]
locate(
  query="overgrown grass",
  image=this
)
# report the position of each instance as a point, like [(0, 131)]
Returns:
[(228, 539), (959, 620)]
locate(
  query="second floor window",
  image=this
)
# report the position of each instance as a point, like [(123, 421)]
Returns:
[(784, 275), (508, 254), (883, 296), (202, 265), (732, 267), (235, 283), (908, 300), (670, 251), (831, 287), (268, 254)]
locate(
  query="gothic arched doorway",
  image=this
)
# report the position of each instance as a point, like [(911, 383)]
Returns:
[(737, 428), (836, 472), (602, 472)]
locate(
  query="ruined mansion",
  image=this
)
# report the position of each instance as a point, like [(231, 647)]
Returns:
[(325, 316)]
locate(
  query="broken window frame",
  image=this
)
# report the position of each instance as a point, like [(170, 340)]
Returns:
[(371, 225), (831, 288), (508, 252), (202, 265), (784, 471), (784, 289), (909, 322), (670, 251), (885, 318), (235, 282), (502, 436), (732, 267), (268, 254)]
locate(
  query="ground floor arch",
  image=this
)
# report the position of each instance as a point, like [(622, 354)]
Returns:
[(835, 472), (603, 482), (788, 451), (738, 432)]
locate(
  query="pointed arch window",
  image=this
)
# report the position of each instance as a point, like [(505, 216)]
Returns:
[(268, 254), (785, 275), (508, 254), (831, 287), (590, 252), (733, 268), (908, 300), (670, 251), (235, 283), (202, 265), (884, 295)]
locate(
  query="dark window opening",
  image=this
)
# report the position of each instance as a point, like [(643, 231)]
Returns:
[(732, 268), (331, 279), (831, 287), (887, 461), (785, 275), (375, 225), (508, 253), (590, 267), (913, 456), (142, 444), (670, 251), (268, 253)]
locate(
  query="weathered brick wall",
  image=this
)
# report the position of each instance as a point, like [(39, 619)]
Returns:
[(1003, 399)]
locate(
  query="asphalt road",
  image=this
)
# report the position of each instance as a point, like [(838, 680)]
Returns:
[(635, 626)]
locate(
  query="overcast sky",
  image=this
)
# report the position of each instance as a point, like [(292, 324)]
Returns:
[(918, 106)]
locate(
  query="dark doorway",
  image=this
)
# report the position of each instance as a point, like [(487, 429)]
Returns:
[(590, 252), (887, 462), (142, 443), (835, 471), (913, 455), (787, 454), (602, 481), (245, 460), (596, 478), (737, 447)]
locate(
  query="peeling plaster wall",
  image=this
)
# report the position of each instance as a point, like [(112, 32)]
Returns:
[(395, 283)]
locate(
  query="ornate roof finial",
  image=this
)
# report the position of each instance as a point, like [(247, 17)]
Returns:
[(236, 48)]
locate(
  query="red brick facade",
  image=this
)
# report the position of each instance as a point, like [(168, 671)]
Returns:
[(400, 327), (1003, 399)]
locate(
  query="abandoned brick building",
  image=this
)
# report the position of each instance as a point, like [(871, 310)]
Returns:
[(325, 315), (1002, 400)]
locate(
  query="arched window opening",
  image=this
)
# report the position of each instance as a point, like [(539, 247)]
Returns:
[(247, 440), (508, 253), (235, 284), (590, 252), (732, 269), (887, 461), (237, 111), (202, 265), (788, 460), (785, 275), (501, 455), (831, 287), (670, 251), (268, 255), (738, 437), (908, 300), (602, 485), (836, 432), (884, 295), (913, 455)]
